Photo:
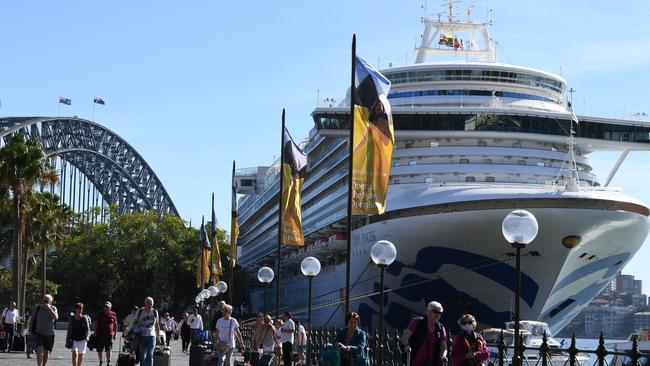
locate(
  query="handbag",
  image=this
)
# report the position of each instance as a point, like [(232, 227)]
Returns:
[(92, 342), (68, 343), (222, 346)]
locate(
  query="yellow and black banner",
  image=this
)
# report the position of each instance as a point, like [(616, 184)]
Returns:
[(217, 270), (234, 225), (372, 142), (203, 260), (294, 165)]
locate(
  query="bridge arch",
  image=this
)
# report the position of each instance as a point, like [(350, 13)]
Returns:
[(86, 152)]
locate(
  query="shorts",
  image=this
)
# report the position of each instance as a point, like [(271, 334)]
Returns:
[(104, 343), (47, 342), (302, 349), (79, 346)]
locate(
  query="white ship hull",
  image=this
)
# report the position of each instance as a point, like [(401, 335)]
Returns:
[(454, 252)]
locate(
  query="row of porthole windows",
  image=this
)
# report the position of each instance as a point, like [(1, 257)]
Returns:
[(480, 143)]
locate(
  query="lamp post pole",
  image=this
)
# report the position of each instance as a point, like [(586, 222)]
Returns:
[(382, 253), (516, 359), (266, 286), (519, 228), (309, 322), (382, 267)]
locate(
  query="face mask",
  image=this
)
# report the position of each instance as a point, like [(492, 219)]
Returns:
[(468, 327)]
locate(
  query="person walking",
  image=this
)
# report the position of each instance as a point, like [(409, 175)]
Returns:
[(42, 328), (426, 337), (148, 325), (264, 338), (168, 326), (352, 342), (469, 348), (301, 347), (78, 334), (257, 328), (196, 323), (9, 318), (105, 329), (184, 328), (227, 330), (128, 321), (286, 336)]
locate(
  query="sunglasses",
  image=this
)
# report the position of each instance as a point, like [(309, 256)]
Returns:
[(466, 323)]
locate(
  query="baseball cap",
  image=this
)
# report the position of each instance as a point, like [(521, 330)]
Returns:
[(108, 304)]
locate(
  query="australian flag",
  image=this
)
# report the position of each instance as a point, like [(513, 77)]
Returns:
[(99, 100), (64, 100)]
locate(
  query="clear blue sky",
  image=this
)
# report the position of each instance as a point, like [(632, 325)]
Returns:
[(193, 85)]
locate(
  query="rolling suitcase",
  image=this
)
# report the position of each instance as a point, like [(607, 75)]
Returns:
[(197, 354), (267, 359), (211, 359), (252, 358), (19, 342), (162, 356), (3, 341), (125, 359)]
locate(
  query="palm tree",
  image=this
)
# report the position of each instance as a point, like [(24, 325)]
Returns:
[(21, 167), (46, 227)]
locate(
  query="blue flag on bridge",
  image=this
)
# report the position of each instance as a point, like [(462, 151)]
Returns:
[(64, 100)]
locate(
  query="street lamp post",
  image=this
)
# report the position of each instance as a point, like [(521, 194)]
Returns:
[(310, 267), (214, 292), (519, 228), (383, 253), (265, 275)]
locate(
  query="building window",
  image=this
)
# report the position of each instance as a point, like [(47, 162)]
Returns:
[(470, 179), (463, 161), (489, 179), (482, 144), (433, 143), (487, 161), (539, 163), (412, 162), (428, 180), (516, 144), (395, 181), (395, 163), (521, 162), (532, 180)]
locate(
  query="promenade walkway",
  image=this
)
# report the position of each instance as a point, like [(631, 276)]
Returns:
[(61, 356)]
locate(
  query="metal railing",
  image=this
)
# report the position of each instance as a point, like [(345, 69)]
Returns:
[(544, 355)]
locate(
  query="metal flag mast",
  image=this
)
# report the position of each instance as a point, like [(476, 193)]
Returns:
[(277, 269), (348, 252)]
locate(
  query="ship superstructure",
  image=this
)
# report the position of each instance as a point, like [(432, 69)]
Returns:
[(475, 139)]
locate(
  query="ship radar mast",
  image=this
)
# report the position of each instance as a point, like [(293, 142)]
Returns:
[(455, 38)]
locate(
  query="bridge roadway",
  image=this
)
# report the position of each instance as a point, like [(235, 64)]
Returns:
[(61, 356)]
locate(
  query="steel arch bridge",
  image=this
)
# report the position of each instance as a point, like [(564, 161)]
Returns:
[(86, 152)]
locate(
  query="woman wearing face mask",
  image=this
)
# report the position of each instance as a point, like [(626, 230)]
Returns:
[(469, 348)]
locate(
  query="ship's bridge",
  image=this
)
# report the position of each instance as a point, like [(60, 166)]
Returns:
[(475, 84)]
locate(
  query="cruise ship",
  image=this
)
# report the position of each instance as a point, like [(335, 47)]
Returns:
[(474, 140)]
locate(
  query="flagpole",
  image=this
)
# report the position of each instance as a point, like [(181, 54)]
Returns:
[(277, 271), (353, 92), (201, 252), (213, 274), (93, 111), (232, 263)]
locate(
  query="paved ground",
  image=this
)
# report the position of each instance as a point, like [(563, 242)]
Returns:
[(61, 356)]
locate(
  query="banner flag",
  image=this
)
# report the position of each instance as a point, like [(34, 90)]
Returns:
[(373, 140), (203, 260), (234, 226), (64, 100), (217, 270), (293, 171), (99, 100)]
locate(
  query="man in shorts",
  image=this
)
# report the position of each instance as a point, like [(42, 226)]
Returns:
[(42, 327), (105, 329)]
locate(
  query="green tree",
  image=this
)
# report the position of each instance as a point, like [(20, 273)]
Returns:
[(131, 256), (46, 228), (21, 167)]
